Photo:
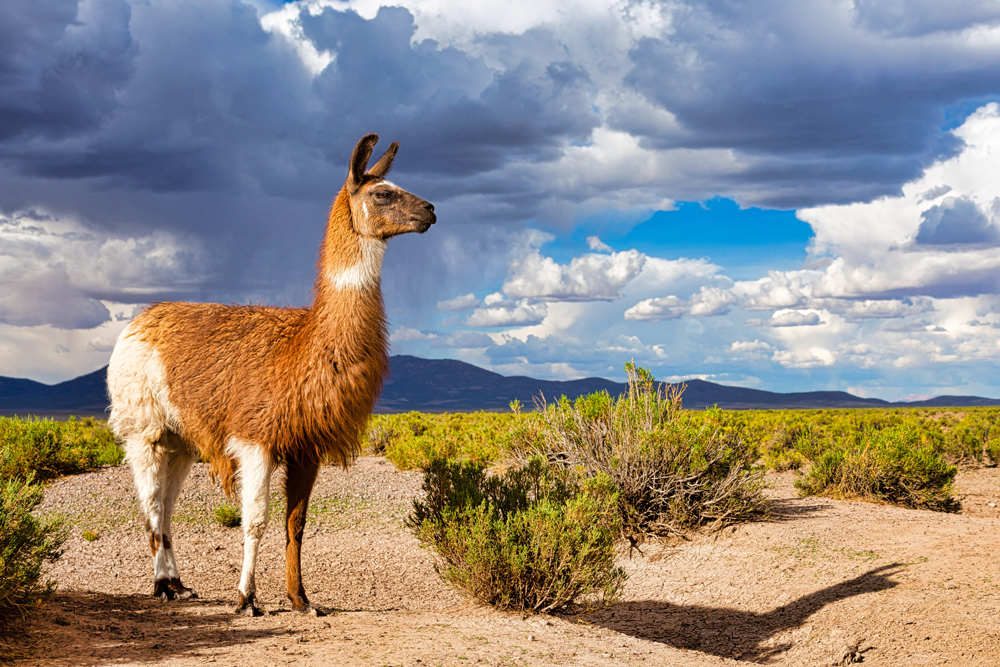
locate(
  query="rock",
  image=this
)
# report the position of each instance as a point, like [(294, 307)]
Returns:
[(849, 655)]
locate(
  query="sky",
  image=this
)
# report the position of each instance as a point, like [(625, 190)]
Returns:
[(789, 195)]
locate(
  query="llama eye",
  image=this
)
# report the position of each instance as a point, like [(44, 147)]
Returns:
[(381, 196)]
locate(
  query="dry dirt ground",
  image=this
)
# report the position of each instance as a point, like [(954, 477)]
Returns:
[(824, 580)]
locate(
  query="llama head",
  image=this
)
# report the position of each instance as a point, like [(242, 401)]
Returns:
[(380, 209)]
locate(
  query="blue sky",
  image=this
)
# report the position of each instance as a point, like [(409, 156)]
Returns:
[(788, 195)]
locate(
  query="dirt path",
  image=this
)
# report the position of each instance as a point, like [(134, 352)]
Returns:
[(904, 587)]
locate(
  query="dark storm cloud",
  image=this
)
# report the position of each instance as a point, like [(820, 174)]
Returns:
[(956, 221), (58, 74), (190, 118), (450, 109), (818, 99)]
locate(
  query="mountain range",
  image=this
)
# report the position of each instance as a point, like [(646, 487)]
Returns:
[(447, 385)]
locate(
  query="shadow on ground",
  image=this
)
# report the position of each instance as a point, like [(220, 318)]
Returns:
[(790, 509), (83, 627), (730, 633)]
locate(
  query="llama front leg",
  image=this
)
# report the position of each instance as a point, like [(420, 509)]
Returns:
[(299, 480), (255, 481)]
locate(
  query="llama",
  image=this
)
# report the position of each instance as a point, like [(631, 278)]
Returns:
[(254, 387)]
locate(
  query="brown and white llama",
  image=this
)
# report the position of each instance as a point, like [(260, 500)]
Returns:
[(255, 387)]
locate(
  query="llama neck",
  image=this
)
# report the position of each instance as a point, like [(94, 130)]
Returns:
[(347, 312)]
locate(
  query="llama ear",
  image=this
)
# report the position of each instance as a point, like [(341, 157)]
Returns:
[(359, 161), (384, 164)]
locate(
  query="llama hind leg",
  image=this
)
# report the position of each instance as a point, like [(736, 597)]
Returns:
[(149, 464), (179, 465), (255, 491)]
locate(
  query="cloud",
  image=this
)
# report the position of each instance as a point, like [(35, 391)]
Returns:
[(794, 318), (956, 220), (805, 358), (711, 301), (658, 309), (597, 245), (404, 334), (587, 278), (708, 302), (58, 272), (951, 253), (878, 309), (915, 18), (780, 289), (463, 340), (921, 325), (458, 304), (500, 312), (754, 349)]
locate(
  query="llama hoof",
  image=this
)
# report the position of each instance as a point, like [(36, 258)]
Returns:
[(162, 590), (248, 606), (309, 610), (180, 590)]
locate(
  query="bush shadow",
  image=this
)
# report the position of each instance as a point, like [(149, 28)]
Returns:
[(730, 633), (790, 509)]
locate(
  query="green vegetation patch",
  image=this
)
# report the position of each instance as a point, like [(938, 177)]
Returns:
[(26, 544), (49, 448), (526, 540), (227, 516), (890, 465), (414, 439)]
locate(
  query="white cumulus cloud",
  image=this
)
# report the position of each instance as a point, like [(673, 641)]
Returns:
[(587, 278)]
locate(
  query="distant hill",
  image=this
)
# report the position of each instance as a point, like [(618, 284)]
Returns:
[(447, 385)]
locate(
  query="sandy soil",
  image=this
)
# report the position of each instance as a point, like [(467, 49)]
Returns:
[(825, 582)]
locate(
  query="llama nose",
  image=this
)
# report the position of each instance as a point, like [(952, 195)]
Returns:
[(429, 206)]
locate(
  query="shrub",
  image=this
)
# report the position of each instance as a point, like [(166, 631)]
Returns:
[(51, 448), (525, 540), (228, 516), (890, 465), (412, 440), (672, 470), (26, 544)]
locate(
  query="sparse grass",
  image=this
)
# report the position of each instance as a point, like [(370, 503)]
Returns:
[(890, 466), (26, 544), (89, 535), (525, 540), (227, 516), (51, 448)]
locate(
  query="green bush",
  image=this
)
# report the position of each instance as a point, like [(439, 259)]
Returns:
[(50, 448), (228, 516), (672, 469), (26, 544), (525, 540), (891, 465), (414, 439)]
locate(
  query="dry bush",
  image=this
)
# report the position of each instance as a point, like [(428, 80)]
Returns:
[(671, 472)]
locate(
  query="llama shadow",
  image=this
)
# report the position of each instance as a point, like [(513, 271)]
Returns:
[(730, 633), (86, 628)]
